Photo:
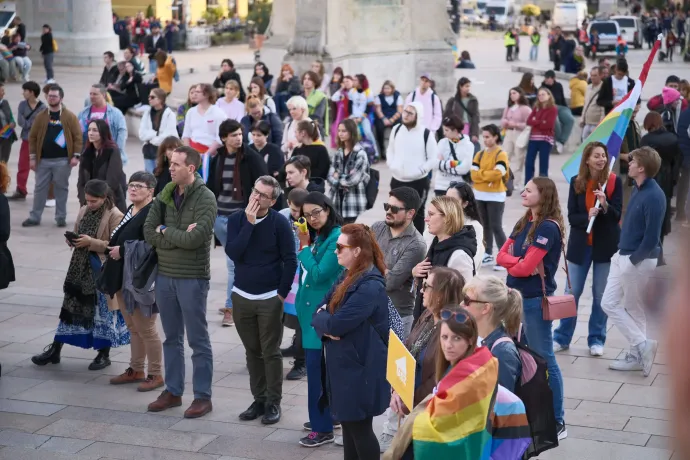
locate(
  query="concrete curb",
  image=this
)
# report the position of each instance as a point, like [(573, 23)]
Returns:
[(559, 75)]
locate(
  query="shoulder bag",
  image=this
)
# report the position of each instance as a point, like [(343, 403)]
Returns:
[(557, 306)]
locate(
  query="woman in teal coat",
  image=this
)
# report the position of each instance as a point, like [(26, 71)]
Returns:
[(319, 270)]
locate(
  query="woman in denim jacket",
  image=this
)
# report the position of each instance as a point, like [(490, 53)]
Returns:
[(497, 309)]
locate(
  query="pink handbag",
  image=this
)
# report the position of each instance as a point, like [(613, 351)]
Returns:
[(557, 306)]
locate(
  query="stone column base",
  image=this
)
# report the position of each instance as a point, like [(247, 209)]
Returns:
[(79, 50)]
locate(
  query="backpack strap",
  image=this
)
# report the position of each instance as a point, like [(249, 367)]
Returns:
[(426, 139), (414, 94), (396, 130), (452, 150)]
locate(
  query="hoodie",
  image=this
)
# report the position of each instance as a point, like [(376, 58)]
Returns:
[(408, 156), (433, 108)]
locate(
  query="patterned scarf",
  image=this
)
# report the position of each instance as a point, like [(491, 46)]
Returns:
[(79, 303)]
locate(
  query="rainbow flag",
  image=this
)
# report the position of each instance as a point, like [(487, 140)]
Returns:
[(611, 130), (6, 132), (471, 416)]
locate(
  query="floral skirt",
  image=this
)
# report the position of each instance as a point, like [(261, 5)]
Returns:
[(108, 330)]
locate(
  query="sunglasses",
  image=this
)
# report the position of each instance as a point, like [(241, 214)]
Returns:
[(427, 287), (467, 300), (394, 209), (339, 247), (458, 316)]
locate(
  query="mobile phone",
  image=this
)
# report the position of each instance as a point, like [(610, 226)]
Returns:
[(71, 236)]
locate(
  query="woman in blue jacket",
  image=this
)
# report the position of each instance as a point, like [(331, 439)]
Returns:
[(353, 325), (591, 249), (319, 270)]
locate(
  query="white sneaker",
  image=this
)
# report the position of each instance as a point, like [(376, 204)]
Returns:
[(50, 81), (385, 442), (629, 363), (338, 441), (557, 347), (562, 431), (498, 268), (559, 147), (596, 350), (50, 203), (488, 259), (647, 354)]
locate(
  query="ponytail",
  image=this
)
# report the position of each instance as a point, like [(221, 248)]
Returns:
[(507, 302), (310, 127), (513, 313)]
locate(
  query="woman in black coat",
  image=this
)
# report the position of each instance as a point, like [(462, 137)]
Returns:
[(666, 144), (6, 263), (128, 95), (101, 160)]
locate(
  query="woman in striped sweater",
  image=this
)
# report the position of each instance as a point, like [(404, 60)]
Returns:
[(542, 120)]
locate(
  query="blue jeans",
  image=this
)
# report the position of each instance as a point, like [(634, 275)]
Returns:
[(280, 100), (220, 228), (534, 148), (153, 66), (149, 165), (564, 124), (182, 304), (540, 339), (563, 334), (534, 53), (321, 422)]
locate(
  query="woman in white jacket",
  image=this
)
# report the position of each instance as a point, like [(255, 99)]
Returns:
[(455, 153), (157, 122)]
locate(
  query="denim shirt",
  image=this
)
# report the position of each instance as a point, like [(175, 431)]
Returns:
[(509, 364)]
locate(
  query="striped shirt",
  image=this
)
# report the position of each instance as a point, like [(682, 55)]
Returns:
[(226, 203), (124, 220)]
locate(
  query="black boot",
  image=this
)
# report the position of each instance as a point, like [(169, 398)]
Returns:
[(289, 352), (298, 371), (51, 354), (101, 361)]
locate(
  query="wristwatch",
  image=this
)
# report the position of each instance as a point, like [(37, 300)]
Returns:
[(161, 228)]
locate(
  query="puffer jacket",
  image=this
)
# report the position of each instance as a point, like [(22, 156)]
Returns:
[(183, 254)]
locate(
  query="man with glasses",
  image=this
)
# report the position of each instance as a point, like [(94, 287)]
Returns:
[(55, 144), (180, 227), (99, 109), (261, 244)]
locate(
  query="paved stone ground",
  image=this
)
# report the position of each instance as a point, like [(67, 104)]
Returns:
[(67, 412)]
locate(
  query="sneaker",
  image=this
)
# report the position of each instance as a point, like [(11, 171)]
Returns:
[(50, 203), (17, 196), (498, 268), (562, 431), (559, 147), (315, 439), (297, 372), (222, 310), (686, 224), (30, 223), (307, 426), (629, 363), (227, 319), (557, 347), (647, 354), (488, 259), (596, 350), (338, 441), (385, 442), (61, 223)]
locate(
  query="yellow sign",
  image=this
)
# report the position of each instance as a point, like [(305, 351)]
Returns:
[(400, 371)]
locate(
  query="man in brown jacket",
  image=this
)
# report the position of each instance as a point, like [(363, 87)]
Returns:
[(55, 143)]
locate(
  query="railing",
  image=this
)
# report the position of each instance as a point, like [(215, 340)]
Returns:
[(198, 38)]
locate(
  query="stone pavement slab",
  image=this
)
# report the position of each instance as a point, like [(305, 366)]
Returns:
[(65, 445)]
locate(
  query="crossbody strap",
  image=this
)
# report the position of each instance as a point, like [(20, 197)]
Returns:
[(540, 267)]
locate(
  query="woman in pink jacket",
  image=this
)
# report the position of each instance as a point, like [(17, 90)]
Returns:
[(514, 122)]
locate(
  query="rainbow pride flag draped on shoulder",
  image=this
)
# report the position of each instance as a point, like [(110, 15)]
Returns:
[(471, 416), (611, 130)]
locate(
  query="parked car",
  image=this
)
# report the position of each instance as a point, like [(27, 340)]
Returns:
[(608, 34), (630, 29), (472, 17)]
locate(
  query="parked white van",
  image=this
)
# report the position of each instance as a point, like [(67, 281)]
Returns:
[(631, 29), (569, 15)]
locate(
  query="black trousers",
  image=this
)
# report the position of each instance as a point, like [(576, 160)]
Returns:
[(422, 187), (359, 440), (491, 215)]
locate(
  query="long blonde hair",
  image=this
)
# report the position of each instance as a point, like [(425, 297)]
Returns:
[(506, 302)]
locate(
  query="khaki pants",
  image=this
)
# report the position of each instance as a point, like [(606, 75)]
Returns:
[(145, 342), (516, 156)]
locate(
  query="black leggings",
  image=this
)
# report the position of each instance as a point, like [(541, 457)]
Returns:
[(491, 216), (359, 440)]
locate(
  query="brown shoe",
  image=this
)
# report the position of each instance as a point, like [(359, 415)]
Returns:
[(165, 401), (151, 383), (128, 376), (227, 319), (199, 408)]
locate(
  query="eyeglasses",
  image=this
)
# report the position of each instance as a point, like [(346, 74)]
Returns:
[(467, 300), (426, 286), (152, 97), (339, 247), (261, 195), (394, 209), (314, 214), (458, 316), (137, 187)]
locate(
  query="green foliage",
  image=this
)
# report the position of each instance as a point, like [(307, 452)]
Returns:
[(260, 14), (213, 15), (227, 38), (149, 11), (654, 4)]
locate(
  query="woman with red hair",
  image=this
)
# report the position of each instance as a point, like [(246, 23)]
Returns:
[(353, 325), (288, 86)]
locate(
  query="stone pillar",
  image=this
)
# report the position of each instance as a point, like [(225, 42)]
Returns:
[(82, 28), (383, 39)]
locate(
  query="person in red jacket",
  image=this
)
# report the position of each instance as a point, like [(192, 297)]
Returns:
[(542, 122), (656, 103)]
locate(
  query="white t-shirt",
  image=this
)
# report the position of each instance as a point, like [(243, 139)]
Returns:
[(389, 100), (620, 88), (203, 128)]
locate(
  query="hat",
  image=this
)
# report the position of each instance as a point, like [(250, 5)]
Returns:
[(425, 75), (549, 74), (669, 95)]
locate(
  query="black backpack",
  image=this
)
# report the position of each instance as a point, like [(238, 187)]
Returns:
[(668, 119), (532, 387), (372, 187)]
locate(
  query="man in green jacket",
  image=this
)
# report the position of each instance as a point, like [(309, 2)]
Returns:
[(180, 227)]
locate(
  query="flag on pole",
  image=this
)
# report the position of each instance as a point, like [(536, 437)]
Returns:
[(611, 130)]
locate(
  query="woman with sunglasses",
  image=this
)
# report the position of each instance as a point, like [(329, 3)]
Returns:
[(353, 326), (454, 244), (157, 123), (297, 175), (455, 152), (442, 287), (536, 243), (497, 309), (320, 270)]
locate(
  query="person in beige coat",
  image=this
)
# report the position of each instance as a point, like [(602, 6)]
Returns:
[(86, 321)]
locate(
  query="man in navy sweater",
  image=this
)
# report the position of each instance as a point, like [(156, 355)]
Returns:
[(261, 244), (633, 264)]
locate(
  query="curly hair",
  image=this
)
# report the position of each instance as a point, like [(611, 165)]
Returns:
[(550, 209), (4, 178)]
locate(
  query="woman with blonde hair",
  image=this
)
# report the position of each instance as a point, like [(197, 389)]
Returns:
[(542, 121), (299, 111), (497, 309), (230, 102), (454, 244)]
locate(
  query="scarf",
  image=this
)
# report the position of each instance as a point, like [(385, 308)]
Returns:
[(237, 192), (590, 201), (79, 302), (421, 333)]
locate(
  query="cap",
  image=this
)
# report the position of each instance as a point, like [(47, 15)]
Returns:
[(549, 74), (425, 75)]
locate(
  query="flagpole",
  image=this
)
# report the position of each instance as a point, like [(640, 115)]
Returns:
[(603, 189)]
